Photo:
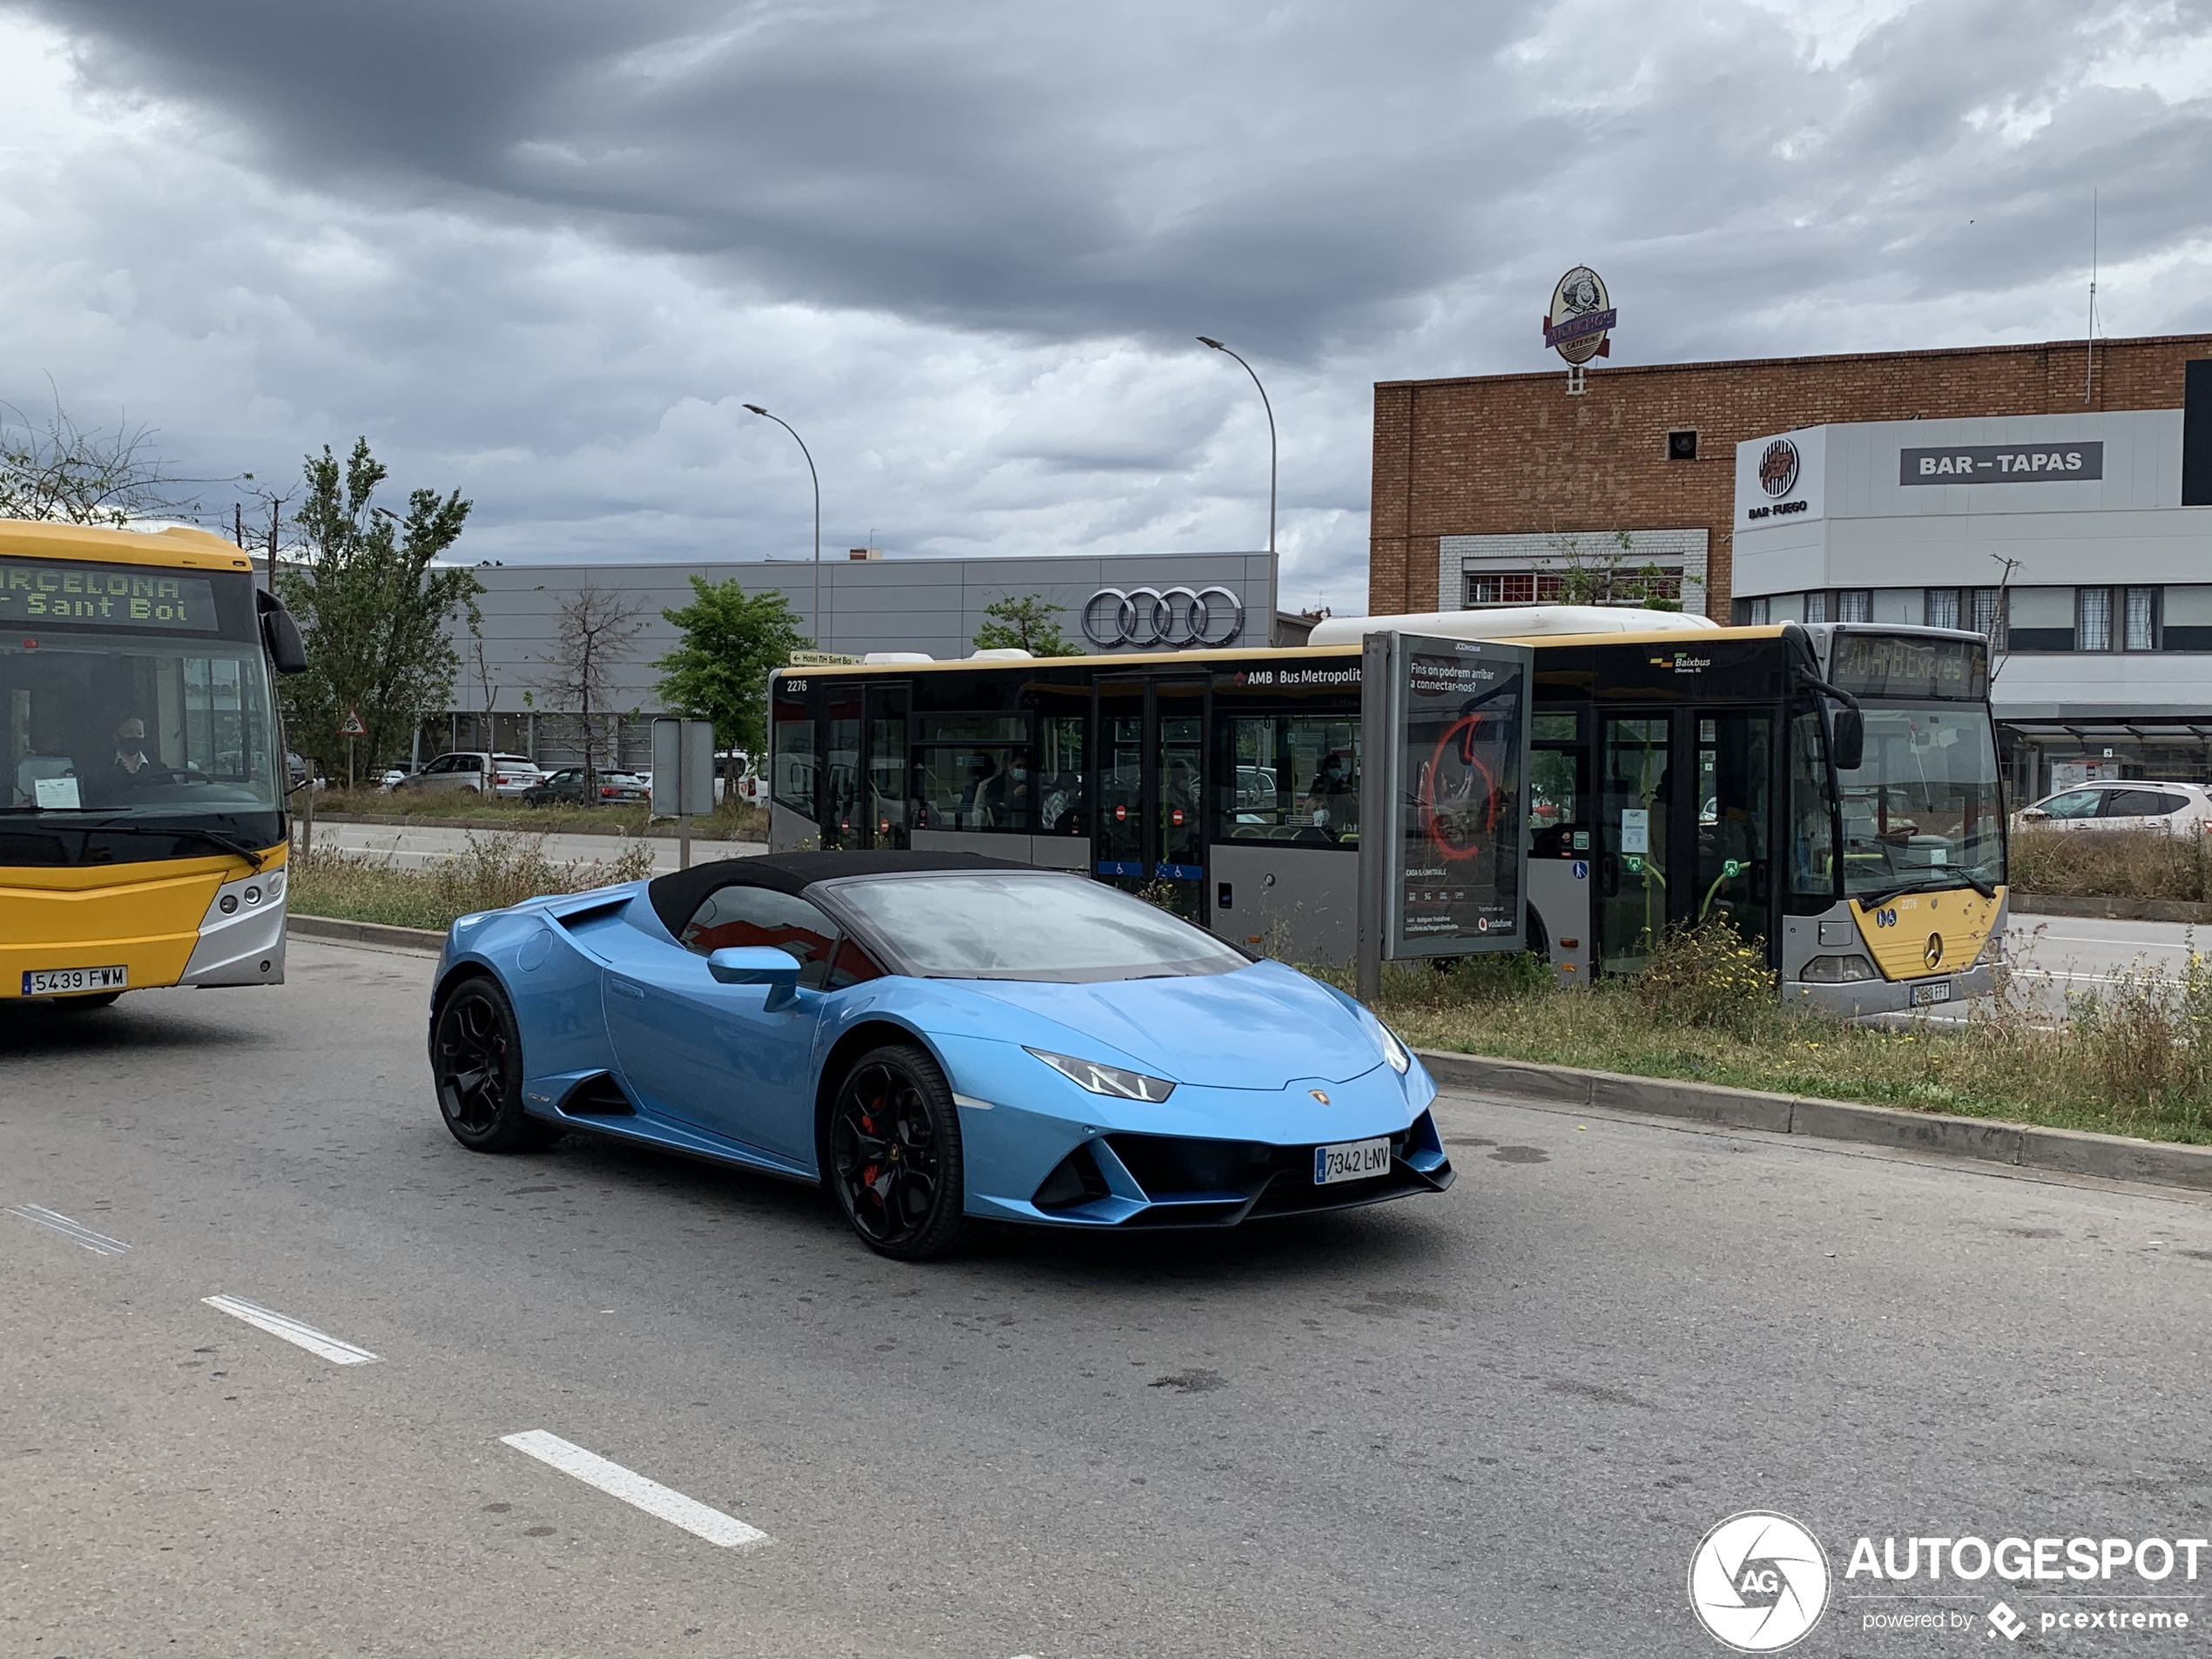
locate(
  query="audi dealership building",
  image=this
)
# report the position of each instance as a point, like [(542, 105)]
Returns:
[(869, 602)]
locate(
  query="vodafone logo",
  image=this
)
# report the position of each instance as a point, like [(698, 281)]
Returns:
[(1759, 1582)]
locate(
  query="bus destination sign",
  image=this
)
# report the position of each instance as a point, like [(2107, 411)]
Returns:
[(1458, 854), (1907, 665), (37, 593)]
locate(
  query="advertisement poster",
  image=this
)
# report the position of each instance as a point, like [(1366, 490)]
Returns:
[(1459, 761)]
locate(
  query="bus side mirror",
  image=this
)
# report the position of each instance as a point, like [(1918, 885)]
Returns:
[(1847, 739), (282, 635)]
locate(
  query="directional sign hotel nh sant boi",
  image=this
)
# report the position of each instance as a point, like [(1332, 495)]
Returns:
[(1581, 312)]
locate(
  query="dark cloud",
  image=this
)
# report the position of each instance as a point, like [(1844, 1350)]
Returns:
[(548, 245)]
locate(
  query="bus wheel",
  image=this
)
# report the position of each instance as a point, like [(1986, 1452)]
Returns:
[(476, 1061), (87, 1002)]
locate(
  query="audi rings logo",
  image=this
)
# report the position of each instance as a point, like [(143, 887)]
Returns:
[(1758, 1582), (1174, 618)]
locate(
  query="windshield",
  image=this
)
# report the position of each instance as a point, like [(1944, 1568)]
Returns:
[(1016, 925), (130, 728), (1922, 808)]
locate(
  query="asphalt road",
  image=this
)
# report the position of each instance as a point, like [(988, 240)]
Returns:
[(1495, 1422)]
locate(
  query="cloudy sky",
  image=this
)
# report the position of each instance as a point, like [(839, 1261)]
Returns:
[(544, 251)]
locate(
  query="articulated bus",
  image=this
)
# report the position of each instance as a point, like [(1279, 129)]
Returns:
[(143, 835), (1830, 790)]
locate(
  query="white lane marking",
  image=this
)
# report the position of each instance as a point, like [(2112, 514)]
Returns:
[(98, 1243), (280, 1324), (653, 1498)]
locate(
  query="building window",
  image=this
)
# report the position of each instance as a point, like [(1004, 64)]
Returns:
[(1855, 604), (2043, 618), (1682, 446), (2093, 619), (1755, 611), (2140, 622), (1988, 615), (1818, 608), (1942, 608)]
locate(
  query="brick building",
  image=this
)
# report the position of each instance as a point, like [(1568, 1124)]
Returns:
[(1490, 483)]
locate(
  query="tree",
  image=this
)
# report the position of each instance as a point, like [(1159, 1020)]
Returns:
[(1024, 624), (1603, 579), (373, 607), (591, 630), (719, 668), (62, 473)]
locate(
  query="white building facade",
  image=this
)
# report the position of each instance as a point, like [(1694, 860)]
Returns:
[(2067, 539), (1108, 603)]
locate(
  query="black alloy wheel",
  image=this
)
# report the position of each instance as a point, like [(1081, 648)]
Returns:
[(476, 1060), (895, 1156)]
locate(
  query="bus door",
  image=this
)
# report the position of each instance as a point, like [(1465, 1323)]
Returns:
[(1179, 750), (1118, 839), (890, 795), (1636, 836), (844, 820), (1735, 771), (1152, 790)]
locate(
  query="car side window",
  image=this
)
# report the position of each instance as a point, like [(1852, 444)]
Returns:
[(852, 965), (470, 763), (2131, 803), (2076, 803), (736, 915), (2169, 804)]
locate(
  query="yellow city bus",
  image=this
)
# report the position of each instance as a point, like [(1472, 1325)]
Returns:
[(142, 827)]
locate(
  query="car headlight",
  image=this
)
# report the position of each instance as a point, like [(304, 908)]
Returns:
[(1394, 1051), (1107, 1080)]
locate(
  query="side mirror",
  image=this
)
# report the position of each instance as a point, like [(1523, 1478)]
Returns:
[(1847, 735), (282, 635), (757, 965)]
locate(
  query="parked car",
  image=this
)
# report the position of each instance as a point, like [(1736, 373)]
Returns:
[(396, 774), (566, 788), (475, 771), (2131, 803), (935, 1038)]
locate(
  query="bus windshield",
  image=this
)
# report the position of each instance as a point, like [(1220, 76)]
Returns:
[(1922, 809), (105, 728)]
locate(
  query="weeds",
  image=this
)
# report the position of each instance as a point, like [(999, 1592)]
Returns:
[(491, 870), (732, 820), (2111, 864), (2131, 1057)]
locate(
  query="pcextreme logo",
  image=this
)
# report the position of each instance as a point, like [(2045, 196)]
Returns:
[(1758, 1582)]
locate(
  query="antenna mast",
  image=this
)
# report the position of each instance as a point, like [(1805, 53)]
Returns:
[(2089, 378)]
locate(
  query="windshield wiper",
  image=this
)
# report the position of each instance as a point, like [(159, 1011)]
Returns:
[(1987, 889), (214, 838)]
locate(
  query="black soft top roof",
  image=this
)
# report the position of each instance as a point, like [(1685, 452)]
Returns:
[(675, 897)]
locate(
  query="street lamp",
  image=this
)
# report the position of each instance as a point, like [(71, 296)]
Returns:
[(1269, 407), (816, 619)]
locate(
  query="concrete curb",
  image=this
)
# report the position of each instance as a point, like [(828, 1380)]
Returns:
[(365, 933), (657, 829), (2063, 1151), (2114, 909)]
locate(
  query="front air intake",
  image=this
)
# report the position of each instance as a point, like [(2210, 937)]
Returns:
[(1074, 1180)]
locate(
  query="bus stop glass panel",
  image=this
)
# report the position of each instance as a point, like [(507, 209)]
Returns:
[(1634, 866), (1735, 804)]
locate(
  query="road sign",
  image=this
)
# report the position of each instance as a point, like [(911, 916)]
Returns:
[(682, 768), (351, 727)]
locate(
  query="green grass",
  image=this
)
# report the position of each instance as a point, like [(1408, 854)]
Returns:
[(732, 822), (2135, 1059), (2112, 864), (492, 871)]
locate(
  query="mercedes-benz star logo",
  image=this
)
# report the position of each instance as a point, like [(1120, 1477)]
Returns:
[(1758, 1582), (1934, 952)]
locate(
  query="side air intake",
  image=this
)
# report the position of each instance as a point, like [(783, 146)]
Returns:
[(597, 1095)]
